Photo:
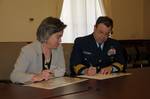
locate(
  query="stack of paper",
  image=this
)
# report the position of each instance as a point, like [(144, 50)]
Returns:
[(102, 76), (56, 82)]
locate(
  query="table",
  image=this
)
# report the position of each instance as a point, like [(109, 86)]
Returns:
[(135, 86)]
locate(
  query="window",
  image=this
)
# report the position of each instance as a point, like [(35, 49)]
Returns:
[(80, 17)]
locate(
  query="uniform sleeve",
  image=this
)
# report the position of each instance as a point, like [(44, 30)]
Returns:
[(120, 60), (19, 74), (76, 66)]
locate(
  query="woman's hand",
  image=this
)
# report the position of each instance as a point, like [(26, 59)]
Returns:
[(47, 74), (44, 75)]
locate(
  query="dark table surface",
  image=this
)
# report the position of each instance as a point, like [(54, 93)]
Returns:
[(134, 86)]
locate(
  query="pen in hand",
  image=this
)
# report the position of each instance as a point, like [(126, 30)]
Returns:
[(91, 71)]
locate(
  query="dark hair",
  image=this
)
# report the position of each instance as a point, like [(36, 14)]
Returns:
[(48, 27), (105, 20)]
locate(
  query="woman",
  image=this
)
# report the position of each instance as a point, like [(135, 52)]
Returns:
[(42, 59)]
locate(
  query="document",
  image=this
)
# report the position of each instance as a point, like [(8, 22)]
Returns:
[(56, 82), (102, 76)]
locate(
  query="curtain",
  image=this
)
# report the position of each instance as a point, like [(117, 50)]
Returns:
[(80, 17), (107, 7), (59, 5)]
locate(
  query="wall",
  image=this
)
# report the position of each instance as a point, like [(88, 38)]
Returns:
[(15, 24), (147, 17), (128, 19), (131, 18)]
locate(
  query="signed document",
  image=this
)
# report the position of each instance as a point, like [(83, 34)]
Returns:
[(102, 76), (56, 82)]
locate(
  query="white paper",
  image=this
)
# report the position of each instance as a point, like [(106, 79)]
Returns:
[(56, 82), (102, 76)]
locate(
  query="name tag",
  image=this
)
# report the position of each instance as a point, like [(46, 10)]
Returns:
[(87, 53)]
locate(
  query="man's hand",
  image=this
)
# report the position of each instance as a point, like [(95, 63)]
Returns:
[(106, 70), (90, 71)]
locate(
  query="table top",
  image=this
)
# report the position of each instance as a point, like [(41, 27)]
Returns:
[(135, 86)]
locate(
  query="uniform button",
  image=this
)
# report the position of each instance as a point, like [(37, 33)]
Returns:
[(100, 61), (85, 59), (98, 67)]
